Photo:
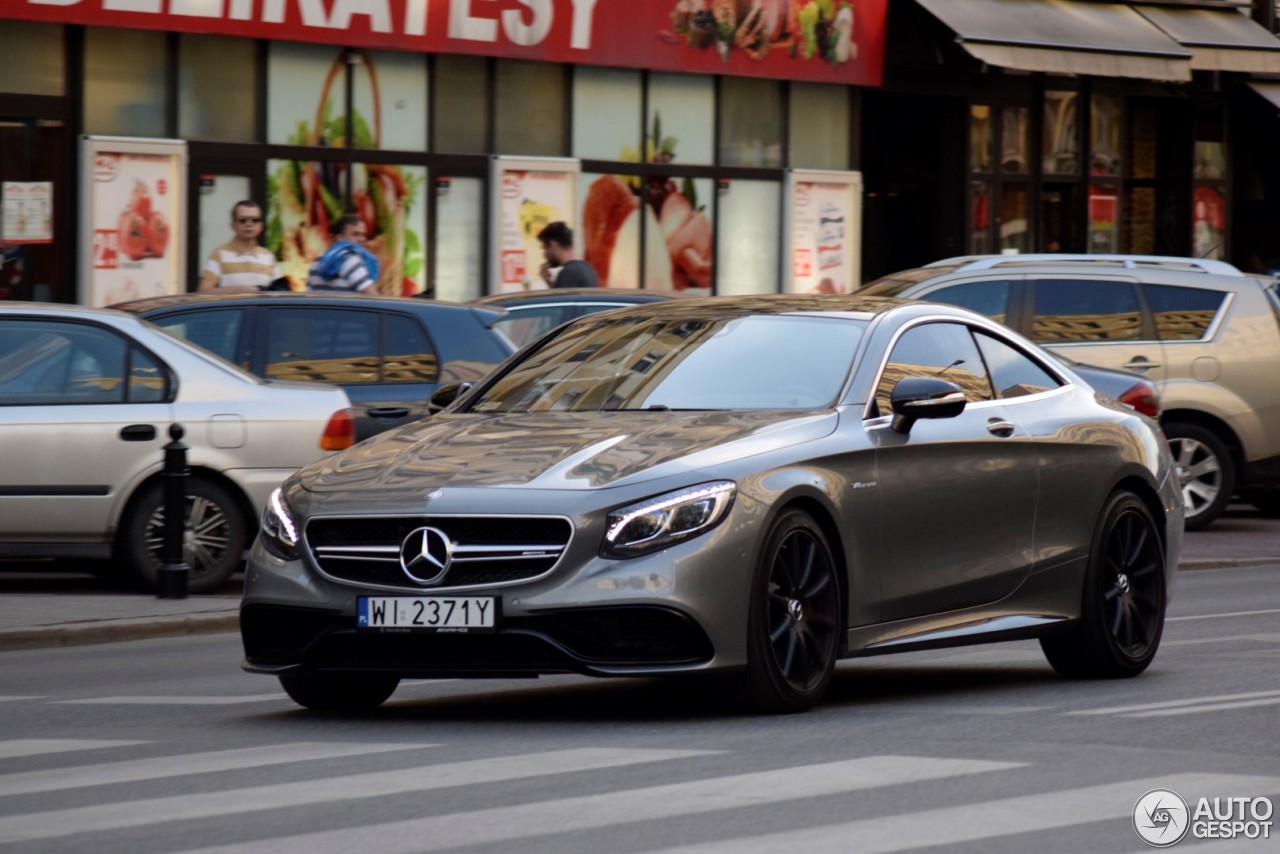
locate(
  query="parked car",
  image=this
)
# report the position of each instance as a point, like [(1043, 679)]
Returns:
[(533, 313), (754, 486), (1201, 330), (87, 399), (388, 353)]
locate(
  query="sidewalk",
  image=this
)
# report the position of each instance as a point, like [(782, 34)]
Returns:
[(65, 615)]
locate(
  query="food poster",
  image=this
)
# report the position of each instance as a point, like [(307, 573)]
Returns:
[(27, 212), (825, 231), (307, 106), (665, 219), (133, 211), (530, 195)]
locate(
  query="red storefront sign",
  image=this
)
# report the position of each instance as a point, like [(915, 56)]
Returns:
[(830, 41)]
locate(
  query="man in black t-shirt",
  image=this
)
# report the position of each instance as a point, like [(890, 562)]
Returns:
[(557, 246)]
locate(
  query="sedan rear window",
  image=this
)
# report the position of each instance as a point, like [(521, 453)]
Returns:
[(755, 362)]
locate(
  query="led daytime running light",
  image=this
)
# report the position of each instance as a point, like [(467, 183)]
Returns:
[(286, 531), (721, 491)]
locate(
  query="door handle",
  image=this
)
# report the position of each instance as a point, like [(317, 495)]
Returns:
[(138, 433), (389, 412), (1140, 363), (1000, 427)]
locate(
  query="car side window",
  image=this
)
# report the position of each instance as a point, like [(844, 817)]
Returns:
[(322, 345), (147, 379), (217, 331), (1013, 372), (1183, 314), (409, 355), (1085, 310), (522, 325), (52, 362), (989, 298), (941, 350)]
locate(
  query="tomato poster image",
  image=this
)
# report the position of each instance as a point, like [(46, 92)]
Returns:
[(824, 235), (134, 208), (528, 200)]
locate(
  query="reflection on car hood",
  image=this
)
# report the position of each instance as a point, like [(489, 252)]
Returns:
[(562, 450)]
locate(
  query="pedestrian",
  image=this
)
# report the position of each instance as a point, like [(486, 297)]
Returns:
[(346, 265), (557, 247), (241, 265)]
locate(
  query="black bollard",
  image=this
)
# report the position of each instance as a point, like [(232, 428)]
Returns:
[(171, 581)]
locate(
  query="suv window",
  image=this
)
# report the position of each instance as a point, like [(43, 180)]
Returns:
[(943, 350), (216, 331), (1014, 372), (321, 345), (1183, 314), (409, 356), (989, 298), (1085, 310)]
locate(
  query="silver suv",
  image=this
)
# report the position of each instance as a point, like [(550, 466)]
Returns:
[(1207, 334)]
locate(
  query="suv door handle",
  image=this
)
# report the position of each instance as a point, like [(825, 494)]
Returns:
[(389, 412), (138, 433), (1138, 363), (1000, 427)]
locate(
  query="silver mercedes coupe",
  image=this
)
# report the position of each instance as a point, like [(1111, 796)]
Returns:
[(749, 487)]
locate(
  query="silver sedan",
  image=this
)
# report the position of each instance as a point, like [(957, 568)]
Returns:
[(756, 487), (87, 397)]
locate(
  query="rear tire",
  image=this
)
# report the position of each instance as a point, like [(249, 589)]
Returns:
[(216, 535), (1123, 606), (794, 623), (333, 693), (1206, 470)]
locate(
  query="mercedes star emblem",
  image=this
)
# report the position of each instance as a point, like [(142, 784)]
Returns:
[(425, 555)]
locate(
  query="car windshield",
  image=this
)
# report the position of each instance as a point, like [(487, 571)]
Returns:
[(643, 362), (892, 285)]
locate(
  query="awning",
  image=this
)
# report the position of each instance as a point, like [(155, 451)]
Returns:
[(1064, 37), (1269, 89), (1219, 39)]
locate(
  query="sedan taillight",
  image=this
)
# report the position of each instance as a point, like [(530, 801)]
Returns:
[(1143, 397), (340, 432)]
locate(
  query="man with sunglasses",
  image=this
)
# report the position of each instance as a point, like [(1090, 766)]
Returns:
[(242, 265)]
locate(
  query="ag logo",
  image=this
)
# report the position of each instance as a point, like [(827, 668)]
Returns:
[(425, 555), (1161, 818)]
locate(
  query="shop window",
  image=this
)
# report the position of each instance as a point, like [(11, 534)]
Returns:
[(1208, 222), (217, 91), (1059, 217), (750, 122), (818, 127), (1013, 141), (1104, 218), (612, 210), (391, 199), (979, 217), (1143, 142), (33, 59), (124, 98), (389, 100), (460, 231), (606, 114), (1014, 235), (681, 115), (1105, 125), (1060, 143), (1141, 223), (529, 108), (460, 115), (747, 237), (678, 252), (306, 95), (981, 136)]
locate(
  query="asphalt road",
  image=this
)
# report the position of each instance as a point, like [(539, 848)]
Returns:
[(164, 745)]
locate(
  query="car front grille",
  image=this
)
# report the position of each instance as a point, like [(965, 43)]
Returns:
[(487, 550)]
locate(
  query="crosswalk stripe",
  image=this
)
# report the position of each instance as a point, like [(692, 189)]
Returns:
[(1208, 707), (56, 823), (173, 700), (656, 803), (14, 748), (160, 767), (973, 822), (1171, 704)]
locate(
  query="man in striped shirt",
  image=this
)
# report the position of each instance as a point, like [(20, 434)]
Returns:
[(241, 265), (346, 265)]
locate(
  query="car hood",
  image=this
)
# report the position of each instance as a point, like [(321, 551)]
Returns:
[(562, 450)]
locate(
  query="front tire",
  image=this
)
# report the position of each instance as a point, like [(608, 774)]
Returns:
[(339, 693), (215, 536), (1123, 606), (1206, 470), (794, 623)]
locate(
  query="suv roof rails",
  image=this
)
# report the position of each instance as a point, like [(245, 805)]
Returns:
[(986, 262)]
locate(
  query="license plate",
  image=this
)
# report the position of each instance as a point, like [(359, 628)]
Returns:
[(427, 613)]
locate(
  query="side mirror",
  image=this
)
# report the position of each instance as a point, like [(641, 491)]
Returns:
[(913, 398), (447, 394)]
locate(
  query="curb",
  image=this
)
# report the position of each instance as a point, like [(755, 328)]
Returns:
[(112, 631), (1227, 563)]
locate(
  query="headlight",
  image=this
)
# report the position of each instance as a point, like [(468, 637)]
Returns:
[(279, 531), (666, 519)]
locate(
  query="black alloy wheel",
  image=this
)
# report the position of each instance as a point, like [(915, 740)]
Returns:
[(794, 625), (1123, 610), (214, 538), (339, 693)]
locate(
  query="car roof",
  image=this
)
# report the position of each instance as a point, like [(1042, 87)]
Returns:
[(621, 296), (327, 297), (847, 305)]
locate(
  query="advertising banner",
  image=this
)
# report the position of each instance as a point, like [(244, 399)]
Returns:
[(823, 230), (27, 212), (830, 41), (529, 193), (131, 218)]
